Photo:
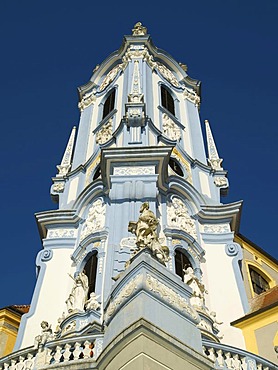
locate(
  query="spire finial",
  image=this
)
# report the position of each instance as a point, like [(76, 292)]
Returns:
[(65, 165), (213, 156), (139, 30)]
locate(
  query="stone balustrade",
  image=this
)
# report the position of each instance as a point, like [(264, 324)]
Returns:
[(227, 357), (53, 352)]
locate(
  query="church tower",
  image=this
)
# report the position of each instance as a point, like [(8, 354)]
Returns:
[(139, 267)]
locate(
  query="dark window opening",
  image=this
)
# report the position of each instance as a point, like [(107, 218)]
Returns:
[(167, 101), (259, 284), (175, 167), (91, 272), (181, 263), (97, 173), (109, 104)]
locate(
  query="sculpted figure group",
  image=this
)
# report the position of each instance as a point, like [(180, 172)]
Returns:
[(146, 235)]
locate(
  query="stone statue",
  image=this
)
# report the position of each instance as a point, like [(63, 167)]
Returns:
[(170, 129), (198, 288), (92, 303), (46, 334), (146, 235), (105, 133), (139, 30), (78, 295)]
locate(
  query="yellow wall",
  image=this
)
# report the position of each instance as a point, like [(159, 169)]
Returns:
[(9, 323), (260, 320)]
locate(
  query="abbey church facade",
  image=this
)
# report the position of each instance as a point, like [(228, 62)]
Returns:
[(153, 272)]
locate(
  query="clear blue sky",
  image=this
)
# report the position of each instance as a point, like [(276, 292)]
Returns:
[(48, 48)]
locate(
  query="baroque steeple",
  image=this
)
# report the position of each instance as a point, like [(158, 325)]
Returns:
[(141, 246)]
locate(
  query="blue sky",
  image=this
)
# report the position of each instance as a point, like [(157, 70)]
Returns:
[(48, 48)]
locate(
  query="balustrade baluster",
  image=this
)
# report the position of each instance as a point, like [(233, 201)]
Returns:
[(87, 349), (76, 352), (211, 354), (67, 352), (57, 356), (220, 358)]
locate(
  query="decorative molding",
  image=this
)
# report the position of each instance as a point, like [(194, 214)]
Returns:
[(217, 229), (122, 296), (178, 217), (232, 249), (170, 128), (87, 100), (134, 170), (95, 220), (61, 233), (170, 296), (46, 255), (221, 181), (105, 133)]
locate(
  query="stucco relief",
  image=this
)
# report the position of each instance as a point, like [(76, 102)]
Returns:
[(192, 96), (134, 170), (126, 292), (178, 217), (105, 133), (170, 296), (61, 233), (217, 229), (220, 181), (170, 128), (95, 220), (88, 99), (58, 187)]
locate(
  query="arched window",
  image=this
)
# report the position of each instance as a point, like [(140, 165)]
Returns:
[(91, 272), (259, 282), (175, 167), (109, 104), (167, 100), (181, 263)]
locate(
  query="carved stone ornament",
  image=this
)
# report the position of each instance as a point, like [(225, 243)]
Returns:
[(109, 77), (146, 235), (46, 255), (192, 96), (95, 220), (134, 170), (178, 217), (232, 249), (139, 30), (61, 233), (167, 74), (127, 290), (217, 229), (88, 99), (221, 181), (170, 128), (58, 187), (105, 133), (170, 296)]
